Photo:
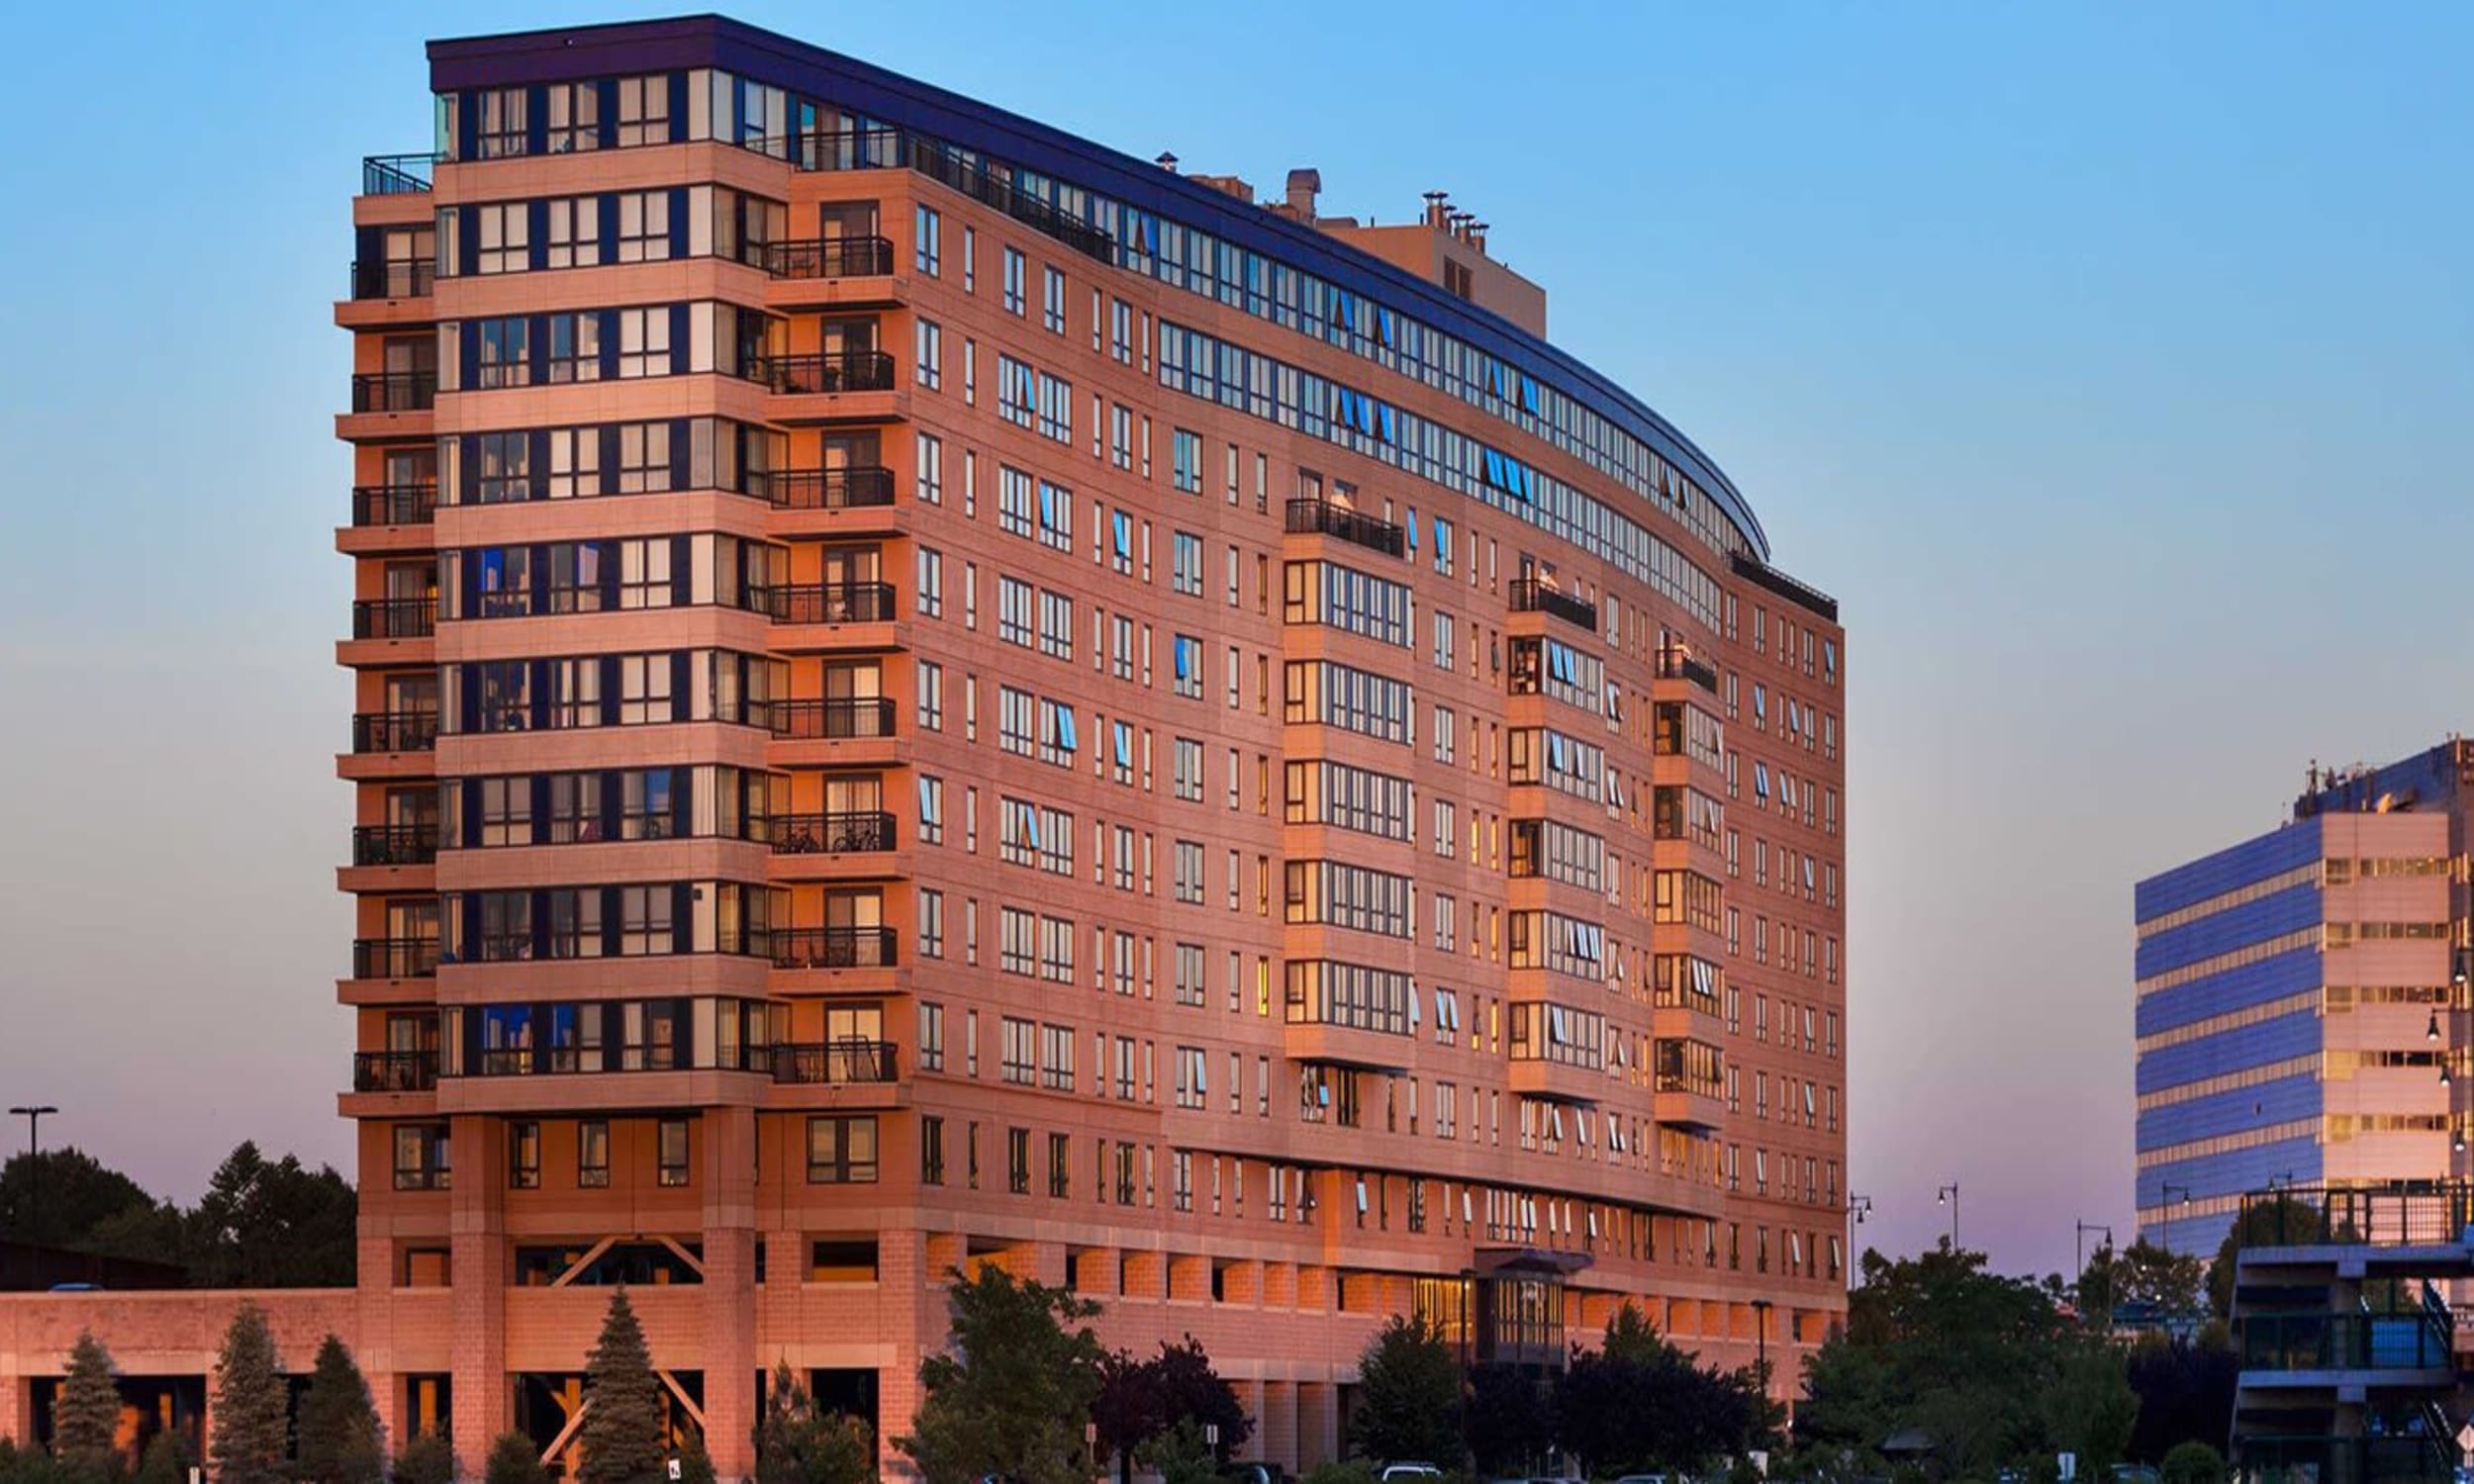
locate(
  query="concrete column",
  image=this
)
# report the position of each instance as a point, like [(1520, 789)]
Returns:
[(477, 1153), (17, 1409), (1318, 1423), (1275, 1435), (730, 1358)]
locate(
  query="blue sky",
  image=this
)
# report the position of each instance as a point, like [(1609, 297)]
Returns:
[(2109, 362)]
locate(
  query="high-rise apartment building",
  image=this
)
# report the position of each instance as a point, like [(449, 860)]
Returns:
[(2299, 1002), (931, 694)]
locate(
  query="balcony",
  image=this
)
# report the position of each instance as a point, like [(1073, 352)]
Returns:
[(1321, 518), (833, 947), (821, 375), (2355, 1342), (1532, 594), (395, 391), (1676, 662), (834, 720), (397, 174), (394, 958), (833, 489), (395, 844), (394, 279), (835, 1062), (830, 257), (394, 505), (395, 617), (394, 1071), (394, 731), (826, 603), (833, 834)]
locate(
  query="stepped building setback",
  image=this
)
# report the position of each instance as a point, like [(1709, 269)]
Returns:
[(931, 694)]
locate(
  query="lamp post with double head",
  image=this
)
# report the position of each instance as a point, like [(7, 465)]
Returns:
[(34, 1114)]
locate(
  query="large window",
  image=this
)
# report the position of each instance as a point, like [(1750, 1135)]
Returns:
[(842, 1151)]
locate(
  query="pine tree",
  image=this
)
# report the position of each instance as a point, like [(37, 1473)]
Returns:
[(426, 1459), (250, 1443), (622, 1437), (341, 1442), (515, 1459), (165, 1460), (86, 1423)]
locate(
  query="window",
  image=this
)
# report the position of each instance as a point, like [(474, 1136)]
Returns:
[(928, 369), (593, 1154), (575, 116), (1014, 280), (503, 356), (672, 1151), (1051, 299), (643, 227), (931, 574), (928, 468), (926, 241), (643, 111), (931, 810), (932, 1150), (500, 134), (842, 1151), (501, 232), (576, 355), (1187, 569), (644, 342), (1187, 462), (524, 1155), (421, 1157)]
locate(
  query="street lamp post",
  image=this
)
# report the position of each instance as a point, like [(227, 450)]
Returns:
[(1761, 1341), (1947, 1195), (34, 1114)]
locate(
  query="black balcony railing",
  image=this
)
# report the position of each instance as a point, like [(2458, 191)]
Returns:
[(882, 148), (394, 958), (833, 489), (395, 617), (1531, 595), (1322, 518), (395, 731), (2312, 1216), (394, 1071), (834, 1062), (395, 391), (1675, 663), (826, 603), (833, 834), (396, 174), (394, 278), (833, 947), (825, 373), (2417, 1341), (395, 844), (830, 257), (847, 716), (394, 505)]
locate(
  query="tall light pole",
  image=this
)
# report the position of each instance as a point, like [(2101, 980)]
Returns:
[(2080, 1250), (1761, 1343), (1947, 1195), (34, 1114)]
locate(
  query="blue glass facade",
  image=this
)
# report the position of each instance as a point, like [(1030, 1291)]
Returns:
[(2228, 957)]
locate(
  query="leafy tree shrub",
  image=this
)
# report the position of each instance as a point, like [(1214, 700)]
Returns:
[(1012, 1396), (515, 1458), (2193, 1462), (426, 1459)]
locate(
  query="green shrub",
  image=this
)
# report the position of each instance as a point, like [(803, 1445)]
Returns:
[(2192, 1462), (426, 1459)]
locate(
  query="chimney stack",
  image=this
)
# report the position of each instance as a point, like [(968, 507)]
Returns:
[(1436, 210), (1304, 186)]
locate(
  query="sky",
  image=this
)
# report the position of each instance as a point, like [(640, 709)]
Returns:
[(2110, 363)]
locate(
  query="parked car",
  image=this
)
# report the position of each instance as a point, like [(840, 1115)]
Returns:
[(1409, 1470), (1255, 1473), (1641, 1479)]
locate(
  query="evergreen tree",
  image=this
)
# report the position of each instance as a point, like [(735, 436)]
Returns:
[(624, 1434), (1015, 1393), (86, 1421), (251, 1445), (165, 1460), (426, 1459), (514, 1459), (341, 1442)]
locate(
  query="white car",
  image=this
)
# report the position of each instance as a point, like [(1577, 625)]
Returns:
[(1410, 1472)]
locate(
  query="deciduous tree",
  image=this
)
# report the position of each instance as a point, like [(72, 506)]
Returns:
[(1409, 1396), (1012, 1395)]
